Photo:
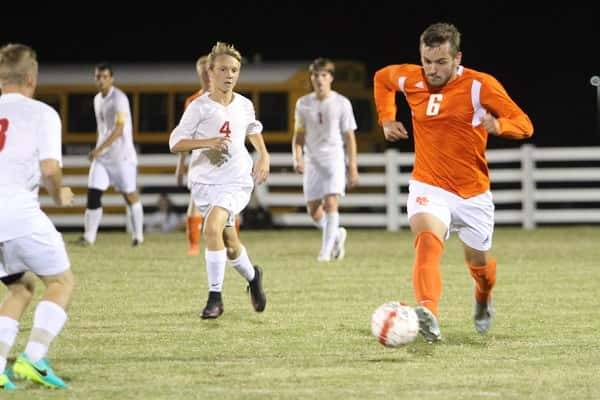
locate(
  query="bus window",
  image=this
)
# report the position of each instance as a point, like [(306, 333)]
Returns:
[(273, 110), (81, 118), (153, 115)]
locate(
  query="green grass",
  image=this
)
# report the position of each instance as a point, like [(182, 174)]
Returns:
[(134, 330)]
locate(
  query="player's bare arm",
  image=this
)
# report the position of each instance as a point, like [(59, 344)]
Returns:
[(180, 168), (350, 144), (394, 131), (220, 143), (52, 180), (262, 166), (297, 151), (114, 135)]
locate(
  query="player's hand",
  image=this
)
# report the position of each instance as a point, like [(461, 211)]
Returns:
[(260, 171), (220, 143), (394, 131), (65, 196), (352, 177), (92, 155), (490, 123), (299, 165)]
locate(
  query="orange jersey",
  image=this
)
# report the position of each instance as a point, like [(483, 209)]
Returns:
[(450, 141), (192, 98)]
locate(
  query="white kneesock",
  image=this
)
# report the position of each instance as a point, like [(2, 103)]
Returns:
[(243, 265), (215, 268), (48, 320), (137, 221), (332, 225), (9, 328), (321, 223), (91, 222)]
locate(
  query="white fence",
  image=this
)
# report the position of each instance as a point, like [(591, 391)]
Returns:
[(531, 186)]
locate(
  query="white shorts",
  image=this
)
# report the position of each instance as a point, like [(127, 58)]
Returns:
[(472, 218), (41, 252), (122, 176), (323, 179), (233, 198)]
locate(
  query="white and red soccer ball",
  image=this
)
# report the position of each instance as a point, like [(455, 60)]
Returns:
[(395, 324)]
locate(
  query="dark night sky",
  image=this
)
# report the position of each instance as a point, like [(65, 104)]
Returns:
[(543, 56)]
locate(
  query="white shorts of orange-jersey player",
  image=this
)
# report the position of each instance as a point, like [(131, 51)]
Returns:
[(472, 218)]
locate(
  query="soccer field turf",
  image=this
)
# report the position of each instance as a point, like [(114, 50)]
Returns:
[(134, 331)]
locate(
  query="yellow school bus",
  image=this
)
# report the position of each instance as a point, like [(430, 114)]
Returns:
[(157, 93)]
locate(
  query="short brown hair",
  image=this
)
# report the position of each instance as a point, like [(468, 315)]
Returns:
[(322, 64), (440, 33), (17, 62)]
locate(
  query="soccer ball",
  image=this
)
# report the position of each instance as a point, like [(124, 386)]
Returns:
[(395, 324)]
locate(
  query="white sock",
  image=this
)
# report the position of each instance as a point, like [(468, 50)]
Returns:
[(137, 221), (9, 328), (91, 222), (320, 223), (215, 268), (48, 320), (243, 265), (330, 232), (128, 219)]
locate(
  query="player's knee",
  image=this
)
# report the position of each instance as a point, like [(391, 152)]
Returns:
[(94, 199)]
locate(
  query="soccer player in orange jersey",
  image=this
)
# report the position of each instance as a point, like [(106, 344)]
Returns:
[(454, 109)]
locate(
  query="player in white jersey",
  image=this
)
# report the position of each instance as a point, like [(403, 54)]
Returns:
[(30, 150), (114, 160), (214, 127), (323, 139)]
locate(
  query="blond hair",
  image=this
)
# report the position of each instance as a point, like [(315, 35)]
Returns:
[(17, 63), (202, 60), (221, 48)]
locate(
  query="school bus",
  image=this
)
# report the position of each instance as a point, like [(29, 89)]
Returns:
[(157, 93)]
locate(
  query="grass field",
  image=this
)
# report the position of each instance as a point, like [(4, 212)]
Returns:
[(134, 330)]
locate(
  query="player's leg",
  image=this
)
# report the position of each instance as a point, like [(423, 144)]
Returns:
[(429, 219), (477, 226), (20, 290), (193, 224), (240, 261), (332, 226), (136, 213), (124, 177), (45, 255), (216, 258), (336, 186), (98, 182)]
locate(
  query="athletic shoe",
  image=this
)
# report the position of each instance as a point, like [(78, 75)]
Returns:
[(6, 384), (39, 371), (339, 250), (214, 306), (428, 325), (257, 294), (482, 316)]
